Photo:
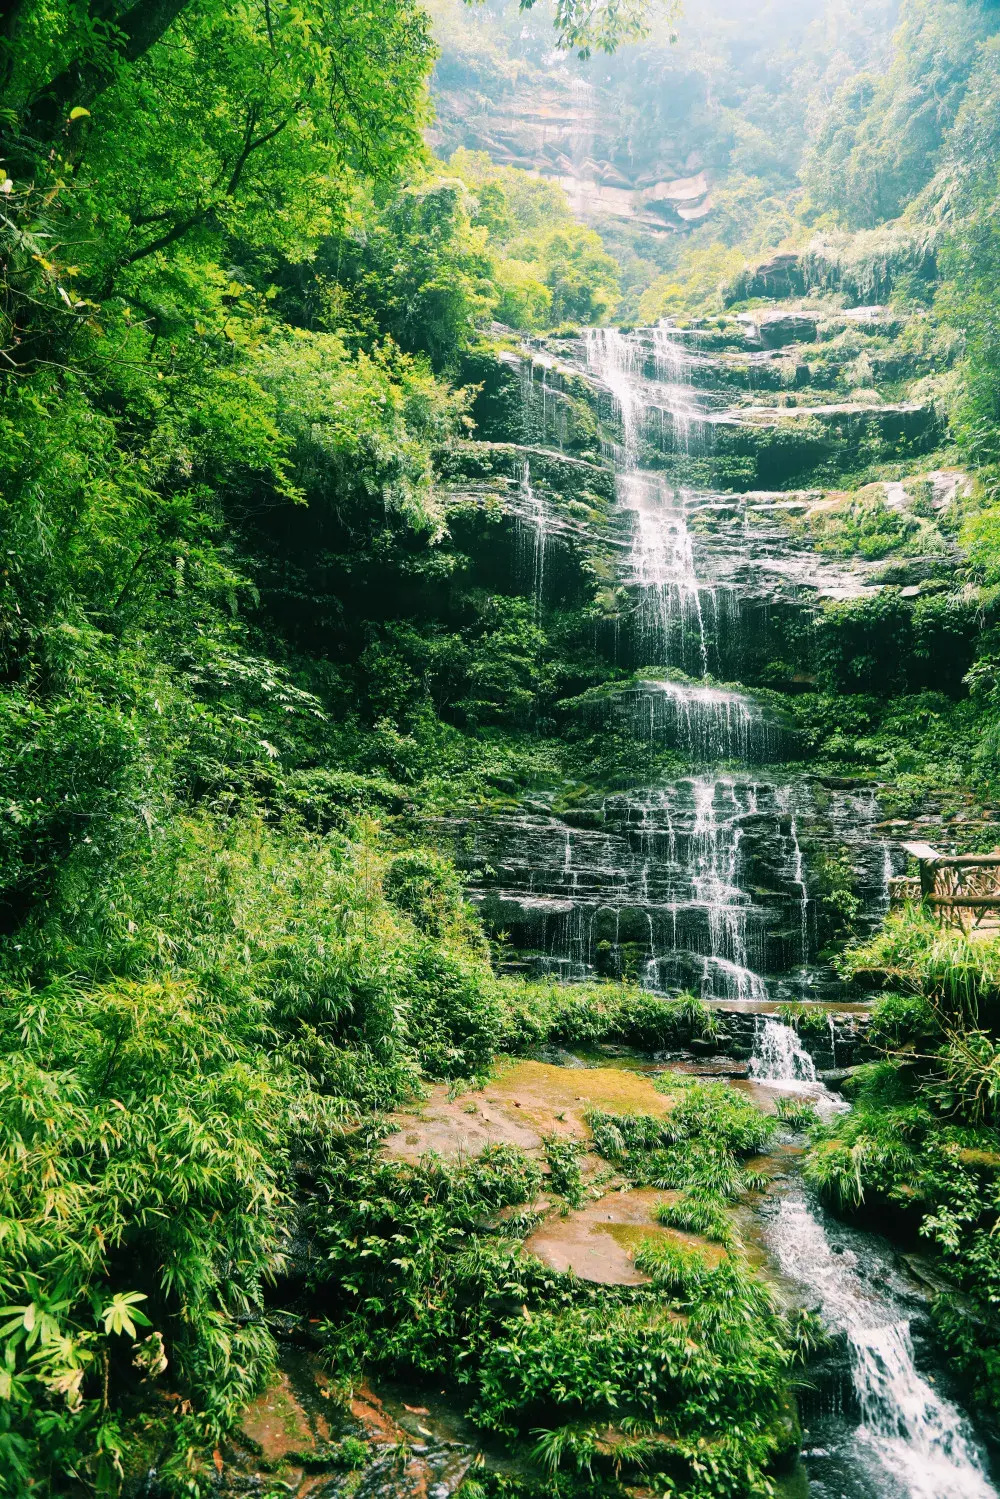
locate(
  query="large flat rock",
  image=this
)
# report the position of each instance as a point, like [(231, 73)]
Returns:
[(525, 1102), (599, 1242)]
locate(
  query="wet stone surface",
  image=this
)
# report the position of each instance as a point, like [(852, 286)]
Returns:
[(298, 1438), (524, 1102)]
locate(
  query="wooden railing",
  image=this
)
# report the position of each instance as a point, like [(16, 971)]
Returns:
[(962, 889)]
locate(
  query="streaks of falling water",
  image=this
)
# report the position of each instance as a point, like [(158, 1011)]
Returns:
[(714, 876), (709, 723), (671, 619), (779, 1055), (670, 613), (912, 1442), (671, 865), (670, 361), (887, 873), (798, 874), (798, 871), (617, 362), (536, 514)]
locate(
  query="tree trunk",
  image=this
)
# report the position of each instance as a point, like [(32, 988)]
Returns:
[(140, 27)]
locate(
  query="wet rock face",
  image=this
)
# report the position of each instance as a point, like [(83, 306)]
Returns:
[(835, 1039), (298, 1437), (699, 886), (775, 329), (713, 883)]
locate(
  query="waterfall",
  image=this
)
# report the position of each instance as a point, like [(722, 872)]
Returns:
[(886, 875), (535, 512), (779, 1055), (709, 723), (672, 364), (671, 621), (910, 1437), (798, 874), (616, 361), (698, 878)]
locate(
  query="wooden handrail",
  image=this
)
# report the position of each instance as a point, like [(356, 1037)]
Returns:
[(977, 902), (954, 897), (967, 861)]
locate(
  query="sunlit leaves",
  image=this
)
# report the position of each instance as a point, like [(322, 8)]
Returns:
[(123, 1314)]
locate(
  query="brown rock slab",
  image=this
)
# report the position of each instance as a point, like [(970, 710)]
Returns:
[(286, 1418), (525, 1102), (598, 1242)]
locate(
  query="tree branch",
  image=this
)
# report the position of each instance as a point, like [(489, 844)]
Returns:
[(176, 232), (183, 226), (249, 148), (137, 28)]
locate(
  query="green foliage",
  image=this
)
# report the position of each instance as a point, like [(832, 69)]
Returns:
[(697, 1150), (146, 1140), (796, 1112), (695, 286), (247, 991), (562, 1156), (955, 972), (415, 1261), (880, 138), (588, 1014)]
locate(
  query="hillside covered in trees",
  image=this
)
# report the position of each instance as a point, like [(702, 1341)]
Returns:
[(499, 571)]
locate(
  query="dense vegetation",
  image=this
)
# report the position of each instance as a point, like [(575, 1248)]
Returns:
[(232, 346), (262, 611)]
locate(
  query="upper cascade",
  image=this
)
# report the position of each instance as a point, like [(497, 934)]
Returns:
[(672, 601), (703, 884)]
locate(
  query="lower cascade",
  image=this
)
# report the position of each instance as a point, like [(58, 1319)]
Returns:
[(780, 1057), (911, 1442)]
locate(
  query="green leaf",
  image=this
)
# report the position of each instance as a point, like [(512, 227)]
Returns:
[(123, 1314)]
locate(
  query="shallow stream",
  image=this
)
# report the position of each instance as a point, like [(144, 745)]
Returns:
[(878, 1423)]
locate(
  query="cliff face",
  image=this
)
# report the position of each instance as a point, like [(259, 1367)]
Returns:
[(647, 135), (559, 124)]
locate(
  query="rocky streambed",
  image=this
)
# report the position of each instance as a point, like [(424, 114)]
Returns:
[(875, 1419)]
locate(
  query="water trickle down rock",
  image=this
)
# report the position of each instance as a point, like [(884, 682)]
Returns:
[(701, 885), (911, 1441), (779, 1055), (534, 515)]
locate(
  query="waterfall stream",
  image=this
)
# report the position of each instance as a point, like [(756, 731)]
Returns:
[(709, 878), (903, 1439), (779, 1056), (701, 885), (909, 1441)]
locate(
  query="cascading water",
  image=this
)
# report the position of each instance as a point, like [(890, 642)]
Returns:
[(906, 1441), (709, 723), (701, 885), (670, 622), (779, 1055), (534, 512), (910, 1441)]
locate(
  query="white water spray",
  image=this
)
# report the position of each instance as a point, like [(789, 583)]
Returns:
[(910, 1434), (779, 1055)]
